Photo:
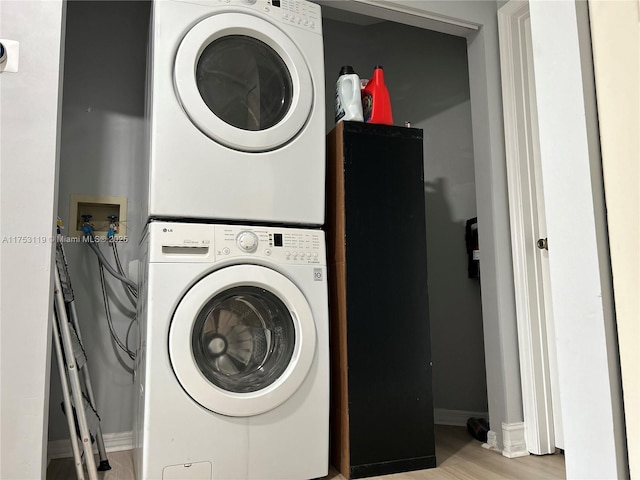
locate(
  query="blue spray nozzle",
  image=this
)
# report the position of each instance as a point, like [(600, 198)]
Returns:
[(86, 228), (113, 226)]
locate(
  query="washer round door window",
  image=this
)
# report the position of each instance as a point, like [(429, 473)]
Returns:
[(243, 82), (242, 340)]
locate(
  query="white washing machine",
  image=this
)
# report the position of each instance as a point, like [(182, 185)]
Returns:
[(232, 372), (236, 111)]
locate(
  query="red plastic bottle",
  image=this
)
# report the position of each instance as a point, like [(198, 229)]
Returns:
[(376, 103)]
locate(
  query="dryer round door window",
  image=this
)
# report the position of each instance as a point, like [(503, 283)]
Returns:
[(243, 82), (242, 340)]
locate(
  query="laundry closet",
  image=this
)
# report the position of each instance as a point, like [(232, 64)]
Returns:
[(427, 75), (103, 139)]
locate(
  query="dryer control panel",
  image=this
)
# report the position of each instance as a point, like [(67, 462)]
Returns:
[(297, 13)]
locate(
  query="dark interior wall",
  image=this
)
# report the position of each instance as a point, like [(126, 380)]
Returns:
[(426, 72)]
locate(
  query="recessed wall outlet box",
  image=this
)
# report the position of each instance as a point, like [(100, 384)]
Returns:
[(100, 208)]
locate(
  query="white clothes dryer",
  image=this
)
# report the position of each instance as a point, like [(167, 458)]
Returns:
[(236, 111), (232, 372)]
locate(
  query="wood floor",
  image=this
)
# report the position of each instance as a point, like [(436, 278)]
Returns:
[(459, 457)]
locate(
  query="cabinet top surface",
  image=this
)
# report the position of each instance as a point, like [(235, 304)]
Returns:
[(380, 130)]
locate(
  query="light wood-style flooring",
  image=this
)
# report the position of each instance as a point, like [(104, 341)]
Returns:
[(459, 457)]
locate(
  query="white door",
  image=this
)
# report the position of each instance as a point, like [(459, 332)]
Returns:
[(243, 82), (536, 337), (29, 133), (242, 340), (579, 263)]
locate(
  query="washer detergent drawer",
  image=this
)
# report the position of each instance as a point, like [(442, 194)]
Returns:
[(188, 471)]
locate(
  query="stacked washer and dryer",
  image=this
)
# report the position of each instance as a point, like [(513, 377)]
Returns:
[(232, 373)]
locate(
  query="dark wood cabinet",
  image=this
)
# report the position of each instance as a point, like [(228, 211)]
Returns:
[(382, 405)]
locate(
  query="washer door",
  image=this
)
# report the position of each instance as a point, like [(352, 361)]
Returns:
[(242, 340), (243, 82)]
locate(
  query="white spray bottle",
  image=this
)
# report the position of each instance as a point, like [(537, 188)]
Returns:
[(348, 97)]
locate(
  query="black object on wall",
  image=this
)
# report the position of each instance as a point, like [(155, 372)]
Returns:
[(473, 248), (382, 403)]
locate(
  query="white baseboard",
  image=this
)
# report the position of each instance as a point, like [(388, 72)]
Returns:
[(113, 442), (458, 418), (492, 441), (513, 440)]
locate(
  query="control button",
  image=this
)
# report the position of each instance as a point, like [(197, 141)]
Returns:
[(226, 250), (287, 254), (267, 252), (285, 16), (266, 9), (315, 255), (247, 241)]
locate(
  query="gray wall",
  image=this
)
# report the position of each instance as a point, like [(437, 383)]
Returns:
[(428, 80), (102, 143)]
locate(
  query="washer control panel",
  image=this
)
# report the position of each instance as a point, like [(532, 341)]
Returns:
[(287, 245), (191, 242)]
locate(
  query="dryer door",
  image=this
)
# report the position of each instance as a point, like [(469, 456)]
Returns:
[(242, 340), (243, 82)]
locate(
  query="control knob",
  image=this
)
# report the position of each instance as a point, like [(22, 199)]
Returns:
[(247, 241)]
